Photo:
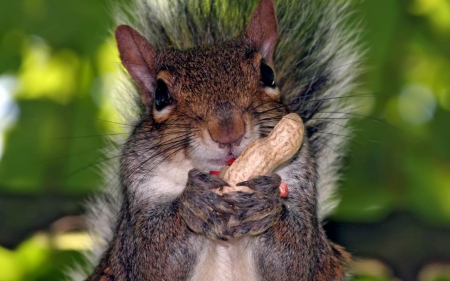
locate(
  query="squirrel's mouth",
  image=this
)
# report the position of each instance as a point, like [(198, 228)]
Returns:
[(220, 162), (207, 155)]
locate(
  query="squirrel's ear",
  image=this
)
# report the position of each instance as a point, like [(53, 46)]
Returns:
[(138, 57), (263, 28)]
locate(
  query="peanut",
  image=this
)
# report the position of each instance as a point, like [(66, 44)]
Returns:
[(263, 155)]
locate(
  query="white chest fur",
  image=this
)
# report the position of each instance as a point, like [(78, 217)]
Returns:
[(226, 261), (164, 183)]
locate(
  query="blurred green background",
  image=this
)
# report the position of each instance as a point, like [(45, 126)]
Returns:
[(58, 63)]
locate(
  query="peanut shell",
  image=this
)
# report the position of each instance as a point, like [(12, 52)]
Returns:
[(263, 155)]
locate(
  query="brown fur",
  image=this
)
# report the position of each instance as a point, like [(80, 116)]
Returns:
[(218, 97)]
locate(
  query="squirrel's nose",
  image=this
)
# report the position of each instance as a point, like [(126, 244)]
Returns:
[(227, 131), (227, 138)]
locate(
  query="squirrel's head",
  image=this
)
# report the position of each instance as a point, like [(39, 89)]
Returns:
[(211, 101)]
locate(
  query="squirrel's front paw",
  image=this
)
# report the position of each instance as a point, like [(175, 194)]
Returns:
[(204, 211), (258, 211)]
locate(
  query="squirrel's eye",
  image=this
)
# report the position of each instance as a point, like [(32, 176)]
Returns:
[(162, 96), (267, 75)]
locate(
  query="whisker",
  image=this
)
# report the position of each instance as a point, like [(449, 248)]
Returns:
[(89, 136), (115, 122)]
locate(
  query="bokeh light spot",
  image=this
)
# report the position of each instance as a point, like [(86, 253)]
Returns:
[(416, 104)]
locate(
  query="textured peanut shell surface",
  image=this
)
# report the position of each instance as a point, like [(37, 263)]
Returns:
[(263, 155)]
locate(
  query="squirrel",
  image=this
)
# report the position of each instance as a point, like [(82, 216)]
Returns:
[(207, 88)]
